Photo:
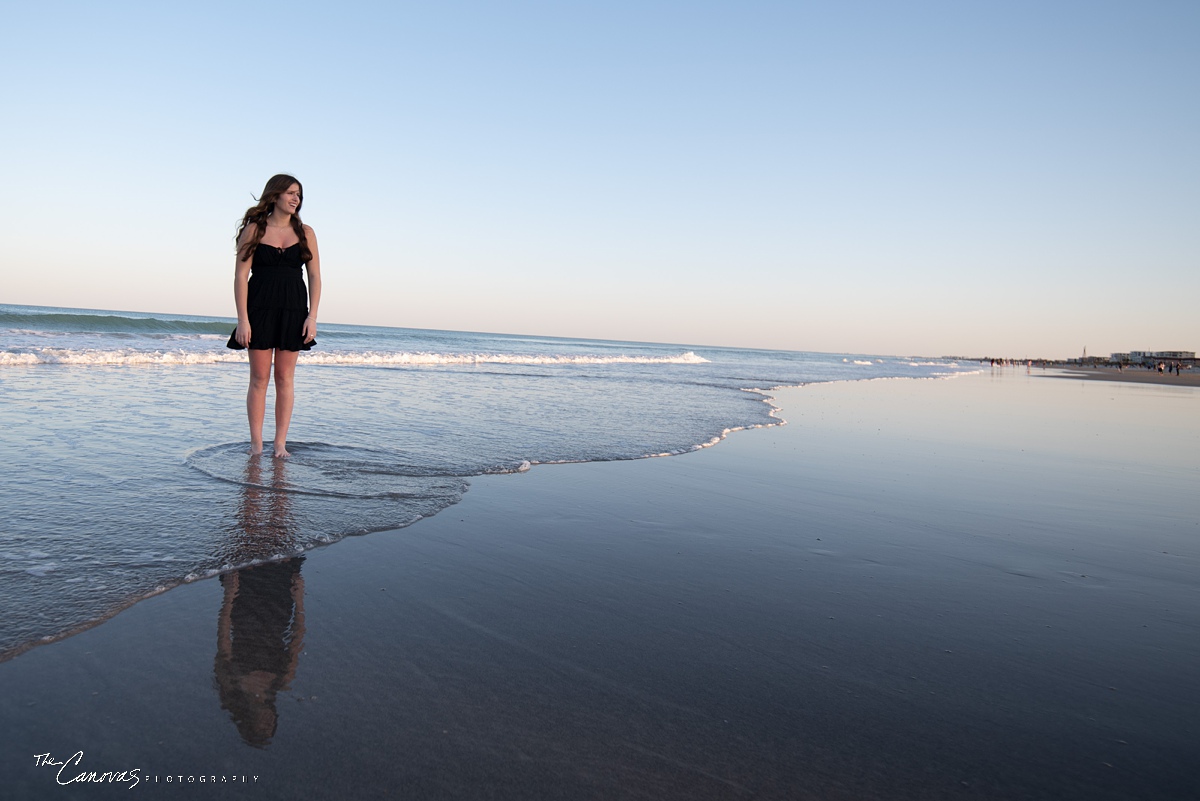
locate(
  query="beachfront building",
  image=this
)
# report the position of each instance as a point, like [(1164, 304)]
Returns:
[(1151, 356)]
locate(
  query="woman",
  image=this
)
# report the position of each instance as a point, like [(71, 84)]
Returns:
[(275, 320)]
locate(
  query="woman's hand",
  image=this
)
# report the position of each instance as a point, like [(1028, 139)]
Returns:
[(242, 334), (310, 328)]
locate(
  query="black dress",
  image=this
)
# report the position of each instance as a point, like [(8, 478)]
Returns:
[(276, 300)]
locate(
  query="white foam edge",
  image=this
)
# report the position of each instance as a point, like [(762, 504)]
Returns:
[(131, 357)]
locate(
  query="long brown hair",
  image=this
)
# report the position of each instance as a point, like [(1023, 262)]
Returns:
[(258, 214)]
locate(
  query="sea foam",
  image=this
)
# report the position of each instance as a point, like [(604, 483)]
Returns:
[(134, 357)]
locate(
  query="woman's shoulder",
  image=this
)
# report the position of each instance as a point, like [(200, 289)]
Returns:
[(308, 230)]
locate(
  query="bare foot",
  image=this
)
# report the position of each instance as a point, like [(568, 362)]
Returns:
[(281, 452), (255, 448)]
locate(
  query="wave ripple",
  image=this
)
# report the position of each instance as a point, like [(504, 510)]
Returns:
[(337, 471)]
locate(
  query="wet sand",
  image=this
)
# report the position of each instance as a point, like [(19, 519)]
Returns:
[(983, 588), (1186, 378)]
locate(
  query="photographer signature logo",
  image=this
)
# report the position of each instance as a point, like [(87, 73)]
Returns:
[(70, 772), (130, 777)]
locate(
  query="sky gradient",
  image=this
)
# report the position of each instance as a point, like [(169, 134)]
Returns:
[(1012, 178)]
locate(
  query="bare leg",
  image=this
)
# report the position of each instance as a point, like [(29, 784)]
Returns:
[(285, 396), (256, 396)]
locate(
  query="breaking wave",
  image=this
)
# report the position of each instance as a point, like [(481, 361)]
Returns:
[(130, 356)]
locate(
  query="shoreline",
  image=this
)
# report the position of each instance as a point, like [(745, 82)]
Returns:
[(913, 589)]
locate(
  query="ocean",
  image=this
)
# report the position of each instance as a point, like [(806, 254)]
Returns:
[(126, 470)]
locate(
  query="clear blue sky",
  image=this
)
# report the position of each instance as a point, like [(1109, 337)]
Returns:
[(882, 177)]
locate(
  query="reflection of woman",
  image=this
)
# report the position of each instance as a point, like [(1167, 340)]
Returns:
[(275, 320), (260, 630), (260, 634)]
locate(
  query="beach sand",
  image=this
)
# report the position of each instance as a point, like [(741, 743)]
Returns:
[(978, 588), (1134, 375)]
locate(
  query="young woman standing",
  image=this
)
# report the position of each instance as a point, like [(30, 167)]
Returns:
[(275, 318)]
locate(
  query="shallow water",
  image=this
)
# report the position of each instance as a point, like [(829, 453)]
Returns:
[(125, 469)]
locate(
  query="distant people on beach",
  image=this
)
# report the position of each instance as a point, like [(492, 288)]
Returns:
[(1161, 366), (275, 317)]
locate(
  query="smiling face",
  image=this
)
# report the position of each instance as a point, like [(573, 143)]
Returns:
[(289, 200)]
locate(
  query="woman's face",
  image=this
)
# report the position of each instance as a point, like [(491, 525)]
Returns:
[(289, 201)]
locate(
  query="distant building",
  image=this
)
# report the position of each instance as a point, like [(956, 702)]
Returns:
[(1150, 356)]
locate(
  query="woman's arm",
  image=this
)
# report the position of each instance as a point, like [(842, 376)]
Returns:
[(241, 281), (314, 285)]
